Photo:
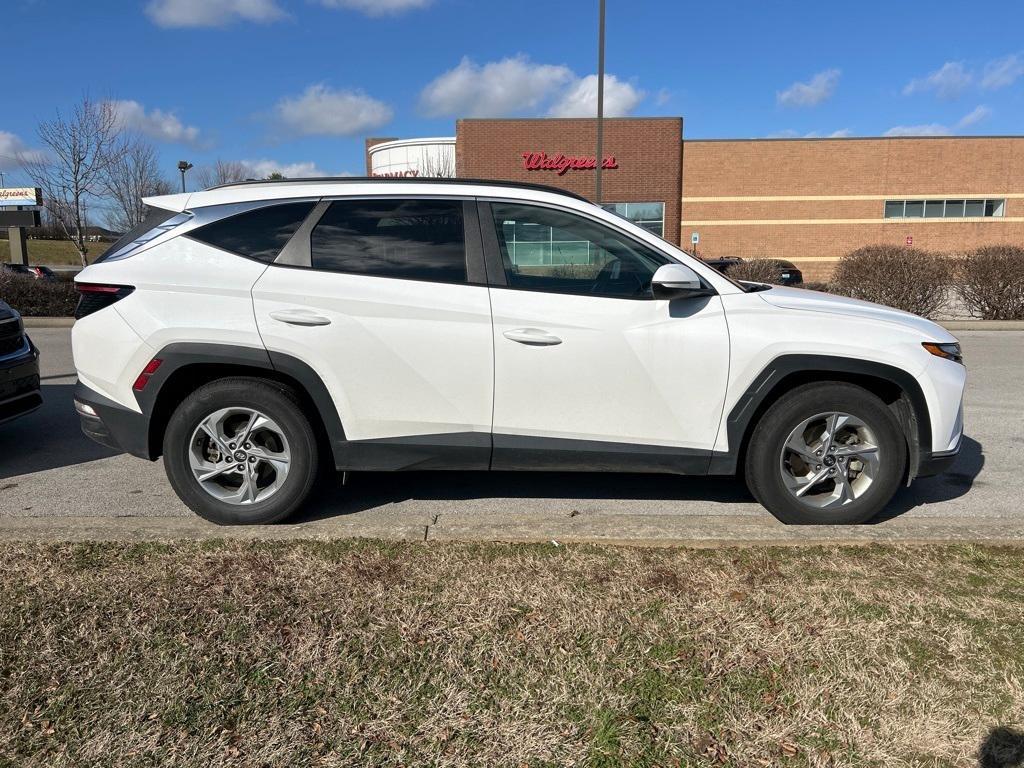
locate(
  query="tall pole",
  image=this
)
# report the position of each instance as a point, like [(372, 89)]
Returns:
[(600, 102), (183, 165)]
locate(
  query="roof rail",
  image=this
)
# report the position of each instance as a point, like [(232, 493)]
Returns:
[(411, 180)]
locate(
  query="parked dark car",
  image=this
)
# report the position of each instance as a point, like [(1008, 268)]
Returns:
[(788, 273), (36, 271), (19, 367)]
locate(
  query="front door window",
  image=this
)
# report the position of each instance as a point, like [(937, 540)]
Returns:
[(544, 249)]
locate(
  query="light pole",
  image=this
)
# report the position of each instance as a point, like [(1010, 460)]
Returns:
[(600, 102), (183, 165)]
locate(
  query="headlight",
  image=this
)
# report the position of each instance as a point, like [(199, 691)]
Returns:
[(947, 351)]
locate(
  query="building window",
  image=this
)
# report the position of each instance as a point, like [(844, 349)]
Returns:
[(650, 216), (944, 209)]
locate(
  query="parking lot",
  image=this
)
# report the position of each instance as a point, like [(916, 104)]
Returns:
[(49, 471)]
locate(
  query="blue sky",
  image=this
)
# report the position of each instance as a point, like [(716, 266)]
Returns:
[(298, 84)]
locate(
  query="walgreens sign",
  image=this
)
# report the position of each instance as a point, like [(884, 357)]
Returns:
[(562, 164)]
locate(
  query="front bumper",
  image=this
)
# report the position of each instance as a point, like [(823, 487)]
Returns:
[(936, 462), (19, 385), (111, 424)]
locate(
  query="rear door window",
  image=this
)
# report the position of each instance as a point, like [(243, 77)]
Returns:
[(405, 239)]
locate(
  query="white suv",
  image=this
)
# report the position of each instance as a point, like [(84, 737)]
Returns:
[(247, 332)]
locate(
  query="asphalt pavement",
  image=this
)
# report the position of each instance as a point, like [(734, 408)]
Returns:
[(56, 482)]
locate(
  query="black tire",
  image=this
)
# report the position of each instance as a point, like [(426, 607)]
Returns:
[(765, 478), (277, 402)]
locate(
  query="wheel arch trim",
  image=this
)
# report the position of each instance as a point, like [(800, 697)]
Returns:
[(179, 356), (769, 385)]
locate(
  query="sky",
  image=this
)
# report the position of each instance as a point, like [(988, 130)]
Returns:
[(297, 85)]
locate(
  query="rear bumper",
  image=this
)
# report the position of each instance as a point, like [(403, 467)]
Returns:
[(19, 385), (111, 424)]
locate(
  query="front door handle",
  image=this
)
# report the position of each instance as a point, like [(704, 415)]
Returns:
[(534, 337), (299, 317)]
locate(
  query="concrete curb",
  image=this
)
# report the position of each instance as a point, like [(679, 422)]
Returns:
[(48, 322), (982, 325), (951, 325), (610, 529)]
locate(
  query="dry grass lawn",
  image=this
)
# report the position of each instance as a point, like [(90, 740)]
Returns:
[(54, 253), (370, 654)]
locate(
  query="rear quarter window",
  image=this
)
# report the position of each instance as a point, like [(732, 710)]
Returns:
[(259, 234), (154, 218)]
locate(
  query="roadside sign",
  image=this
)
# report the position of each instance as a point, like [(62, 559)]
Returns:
[(21, 196), (910, 240), (695, 238), (19, 218)]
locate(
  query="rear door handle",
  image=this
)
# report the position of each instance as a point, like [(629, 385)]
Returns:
[(299, 317), (534, 337)]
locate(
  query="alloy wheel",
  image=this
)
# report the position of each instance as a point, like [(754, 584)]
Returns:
[(239, 455), (829, 460)]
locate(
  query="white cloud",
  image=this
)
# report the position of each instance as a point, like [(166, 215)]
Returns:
[(13, 150), (818, 89), (377, 7), (324, 111), (496, 89), (262, 168), (948, 81), (789, 133), (927, 129), (211, 13), (156, 124), (517, 86), (620, 98), (10, 148), (1000, 73), (975, 116)]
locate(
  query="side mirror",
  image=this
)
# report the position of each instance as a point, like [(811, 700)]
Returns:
[(677, 281)]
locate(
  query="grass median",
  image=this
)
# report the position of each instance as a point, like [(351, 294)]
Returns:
[(54, 253), (366, 653)]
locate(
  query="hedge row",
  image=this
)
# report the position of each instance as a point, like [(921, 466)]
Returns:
[(38, 298), (989, 281)]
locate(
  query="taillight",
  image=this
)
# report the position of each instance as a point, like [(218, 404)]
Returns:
[(92, 297), (147, 373)]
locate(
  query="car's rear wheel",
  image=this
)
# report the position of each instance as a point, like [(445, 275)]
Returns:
[(240, 451), (828, 453)]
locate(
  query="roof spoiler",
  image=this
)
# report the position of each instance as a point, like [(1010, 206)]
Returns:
[(176, 203)]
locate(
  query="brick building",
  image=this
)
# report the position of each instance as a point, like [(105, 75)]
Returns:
[(806, 200)]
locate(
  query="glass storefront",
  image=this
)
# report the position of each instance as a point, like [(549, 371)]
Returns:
[(650, 216)]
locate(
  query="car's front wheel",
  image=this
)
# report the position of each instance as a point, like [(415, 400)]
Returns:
[(241, 451), (826, 453)]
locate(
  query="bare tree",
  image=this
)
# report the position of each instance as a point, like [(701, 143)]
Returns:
[(55, 221), (78, 151), (437, 165), (222, 172), (133, 175)]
